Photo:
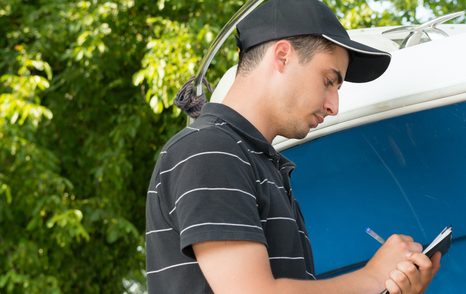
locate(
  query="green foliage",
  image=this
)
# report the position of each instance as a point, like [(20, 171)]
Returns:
[(86, 103), (171, 41)]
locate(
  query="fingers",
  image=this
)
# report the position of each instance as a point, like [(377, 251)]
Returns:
[(414, 247), (425, 265), (405, 243), (400, 279), (436, 262), (404, 279), (392, 287), (413, 275), (411, 245), (406, 238)]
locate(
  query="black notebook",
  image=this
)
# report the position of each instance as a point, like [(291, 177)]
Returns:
[(441, 243)]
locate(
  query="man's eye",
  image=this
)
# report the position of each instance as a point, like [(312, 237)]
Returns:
[(328, 83)]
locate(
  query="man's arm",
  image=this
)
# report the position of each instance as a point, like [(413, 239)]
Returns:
[(243, 267)]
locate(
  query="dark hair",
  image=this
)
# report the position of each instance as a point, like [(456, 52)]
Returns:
[(305, 45)]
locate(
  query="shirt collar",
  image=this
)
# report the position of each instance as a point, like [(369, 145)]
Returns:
[(241, 125)]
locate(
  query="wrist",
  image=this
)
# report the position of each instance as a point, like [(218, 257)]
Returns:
[(374, 280)]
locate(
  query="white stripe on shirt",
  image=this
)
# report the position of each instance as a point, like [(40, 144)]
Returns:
[(154, 191), (220, 224), (159, 231), (169, 267), (210, 189), (281, 218), (302, 232), (286, 257), (269, 182), (204, 153), (314, 277), (255, 152)]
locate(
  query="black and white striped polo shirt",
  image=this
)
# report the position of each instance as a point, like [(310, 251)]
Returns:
[(219, 179)]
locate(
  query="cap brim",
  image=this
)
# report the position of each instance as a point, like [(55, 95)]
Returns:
[(366, 63)]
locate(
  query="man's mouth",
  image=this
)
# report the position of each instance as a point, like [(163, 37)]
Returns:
[(320, 119)]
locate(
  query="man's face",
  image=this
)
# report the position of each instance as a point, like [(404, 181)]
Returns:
[(311, 91)]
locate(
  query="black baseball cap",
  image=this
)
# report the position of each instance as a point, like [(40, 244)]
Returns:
[(279, 19)]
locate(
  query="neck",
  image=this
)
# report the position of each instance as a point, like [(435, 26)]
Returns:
[(250, 97)]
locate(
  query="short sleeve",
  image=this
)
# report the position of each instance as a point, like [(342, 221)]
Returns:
[(210, 189)]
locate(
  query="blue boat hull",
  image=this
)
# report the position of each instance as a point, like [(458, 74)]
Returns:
[(401, 175)]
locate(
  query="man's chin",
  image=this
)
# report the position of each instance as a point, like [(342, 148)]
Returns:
[(296, 133), (300, 134)]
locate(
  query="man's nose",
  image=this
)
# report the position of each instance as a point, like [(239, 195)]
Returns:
[(331, 103)]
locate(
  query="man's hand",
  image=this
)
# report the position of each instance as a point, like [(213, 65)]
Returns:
[(392, 252), (413, 275), (395, 262)]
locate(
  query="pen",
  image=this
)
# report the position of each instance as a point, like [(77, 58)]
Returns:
[(379, 239), (374, 235)]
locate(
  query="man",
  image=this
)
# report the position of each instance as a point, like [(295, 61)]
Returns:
[(220, 213)]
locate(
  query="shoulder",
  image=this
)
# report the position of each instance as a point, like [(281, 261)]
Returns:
[(211, 146), (194, 139)]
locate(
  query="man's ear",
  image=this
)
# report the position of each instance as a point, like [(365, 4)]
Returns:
[(281, 53)]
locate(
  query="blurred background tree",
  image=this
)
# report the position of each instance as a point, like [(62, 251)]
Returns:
[(86, 103)]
